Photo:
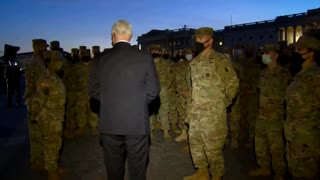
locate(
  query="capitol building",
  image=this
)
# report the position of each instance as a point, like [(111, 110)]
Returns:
[(283, 29)]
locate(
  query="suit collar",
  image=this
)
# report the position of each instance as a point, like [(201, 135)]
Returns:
[(122, 44)]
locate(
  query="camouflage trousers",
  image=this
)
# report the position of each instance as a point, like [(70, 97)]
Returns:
[(269, 143), (303, 159), (162, 116), (173, 114), (249, 112), (207, 136), (47, 140), (181, 108), (36, 143), (71, 123), (84, 115), (235, 116)]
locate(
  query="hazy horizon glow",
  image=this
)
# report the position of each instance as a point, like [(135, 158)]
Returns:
[(89, 23)]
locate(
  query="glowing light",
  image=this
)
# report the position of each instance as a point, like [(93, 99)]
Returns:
[(220, 43)]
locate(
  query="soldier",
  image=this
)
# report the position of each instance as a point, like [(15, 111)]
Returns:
[(55, 45), (166, 80), (71, 99), (249, 94), (95, 51), (235, 113), (302, 123), (269, 145), (12, 74), (84, 116), (182, 88), (214, 84), (166, 54), (50, 101), (33, 71), (173, 114)]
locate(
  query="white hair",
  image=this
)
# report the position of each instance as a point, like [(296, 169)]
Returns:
[(122, 28)]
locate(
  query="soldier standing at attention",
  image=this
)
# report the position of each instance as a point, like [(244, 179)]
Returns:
[(302, 123), (214, 85), (182, 72), (269, 145), (33, 71), (51, 98)]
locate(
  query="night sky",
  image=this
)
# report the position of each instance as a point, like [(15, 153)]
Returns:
[(89, 22)]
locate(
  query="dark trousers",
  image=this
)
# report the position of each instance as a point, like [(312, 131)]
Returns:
[(13, 89), (117, 148)]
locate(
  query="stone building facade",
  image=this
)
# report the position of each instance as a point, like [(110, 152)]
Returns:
[(283, 29)]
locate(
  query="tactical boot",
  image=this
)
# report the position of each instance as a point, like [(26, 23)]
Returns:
[(175, 128), (201, 174), (278, 177), (216, 178), (185, 149), (183, 136), (166, 135), (53, 175), (260, 172)]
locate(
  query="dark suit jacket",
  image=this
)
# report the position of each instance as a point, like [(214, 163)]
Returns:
[(125, 81)]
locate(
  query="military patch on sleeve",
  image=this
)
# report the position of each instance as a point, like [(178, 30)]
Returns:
[(226, 69)]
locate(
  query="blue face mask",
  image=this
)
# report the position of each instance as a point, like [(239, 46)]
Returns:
[(188, 57), (266, 59)]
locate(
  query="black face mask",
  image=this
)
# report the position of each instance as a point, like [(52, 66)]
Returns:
[(199, 47), (86, 58), (165, 56), (249, 54), (155, 55)]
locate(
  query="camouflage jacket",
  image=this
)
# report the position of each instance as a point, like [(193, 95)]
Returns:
[(251, 76), (181, 74), (213, 79), (165, 74), (33, 71), (272, 87), (303, 103), (79, 78), (50, 97)]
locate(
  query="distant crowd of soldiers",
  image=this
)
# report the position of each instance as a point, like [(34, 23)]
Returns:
[(199, 85)]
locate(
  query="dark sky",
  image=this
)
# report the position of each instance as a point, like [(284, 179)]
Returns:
[(89, 22)]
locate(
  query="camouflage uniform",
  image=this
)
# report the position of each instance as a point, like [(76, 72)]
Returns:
[(302, 123), (214, 85), (33, 71), (71, 98), (269, 126), (172, 95), (50, 98), (182, 69), (249, 98), (54, 45), (80, 76), (235, 114), (166, 80)]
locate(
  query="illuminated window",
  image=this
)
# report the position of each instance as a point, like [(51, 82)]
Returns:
[(220, 43)]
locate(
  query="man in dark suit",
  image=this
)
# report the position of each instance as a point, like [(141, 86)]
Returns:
[(125, 81)]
